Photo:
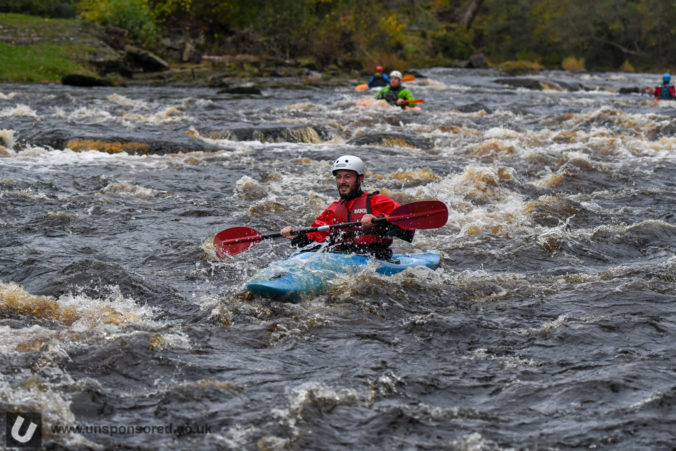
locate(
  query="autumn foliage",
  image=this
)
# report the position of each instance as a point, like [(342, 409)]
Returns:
[(596, 35)]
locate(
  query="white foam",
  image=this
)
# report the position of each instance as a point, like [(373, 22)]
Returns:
[(501, 132), (506, 361), (167, 115), (656, 396), (128, 189), (307, 393), (89, 115), (504, 209), (19, 110), (24, 193), (126, 101), (474, 442), (13, 340), (10, 96), (7, 137), (547, 327)]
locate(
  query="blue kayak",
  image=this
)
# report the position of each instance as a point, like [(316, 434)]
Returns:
[(310, 273)]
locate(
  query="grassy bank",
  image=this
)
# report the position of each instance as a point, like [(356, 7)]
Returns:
[(37, 49), (42, 62)]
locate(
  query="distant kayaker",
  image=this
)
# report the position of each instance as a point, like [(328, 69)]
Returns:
[(666, 90), (395, 93), (379, 79), (354, 205)]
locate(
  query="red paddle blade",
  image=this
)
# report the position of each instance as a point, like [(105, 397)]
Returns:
[(235, 240), (426, 214)]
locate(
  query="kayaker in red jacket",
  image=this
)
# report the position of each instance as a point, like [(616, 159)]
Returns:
[(354, 205), (666, 91)]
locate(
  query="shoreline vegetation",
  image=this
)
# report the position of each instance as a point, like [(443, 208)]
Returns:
[(324, 43)]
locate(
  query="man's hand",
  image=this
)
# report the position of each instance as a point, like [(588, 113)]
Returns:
[(367, 220), (286, 232)]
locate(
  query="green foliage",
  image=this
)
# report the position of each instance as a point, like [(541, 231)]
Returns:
[(453, 43), (132, 15), (605, 33), (551, 59), (353, 34), (45, 8), (163, 9), (505, 28), (21, 25), (38, 62)]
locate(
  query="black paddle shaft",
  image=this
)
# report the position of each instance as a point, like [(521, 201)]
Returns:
[(321, 228)]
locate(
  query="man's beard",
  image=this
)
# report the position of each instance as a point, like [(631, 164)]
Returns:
[(353, 193)]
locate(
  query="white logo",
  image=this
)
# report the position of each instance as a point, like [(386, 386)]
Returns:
[(360, 210), (25, 437)]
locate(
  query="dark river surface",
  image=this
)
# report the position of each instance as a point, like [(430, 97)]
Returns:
[(549, 325)]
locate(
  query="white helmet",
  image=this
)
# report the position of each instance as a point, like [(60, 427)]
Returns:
[(395, 74), (348, 163)]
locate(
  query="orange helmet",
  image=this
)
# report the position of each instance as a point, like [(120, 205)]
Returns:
[(379, 68)]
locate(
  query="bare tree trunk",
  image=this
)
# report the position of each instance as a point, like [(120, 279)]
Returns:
[(470, 14), (623, 49)]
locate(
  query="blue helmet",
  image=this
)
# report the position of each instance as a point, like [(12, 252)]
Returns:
[(666, 78)]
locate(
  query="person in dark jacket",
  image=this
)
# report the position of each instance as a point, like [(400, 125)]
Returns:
[(379, 79)]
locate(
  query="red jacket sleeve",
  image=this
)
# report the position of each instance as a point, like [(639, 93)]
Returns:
[(672, 91), (382, 205)]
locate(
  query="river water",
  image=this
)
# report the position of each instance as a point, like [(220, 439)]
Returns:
[(549, 325)]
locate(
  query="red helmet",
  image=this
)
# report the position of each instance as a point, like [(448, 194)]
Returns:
[(379, 68)]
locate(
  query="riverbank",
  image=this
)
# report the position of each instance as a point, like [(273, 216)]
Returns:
[(72, 51), (37, 49), (44, 50)]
